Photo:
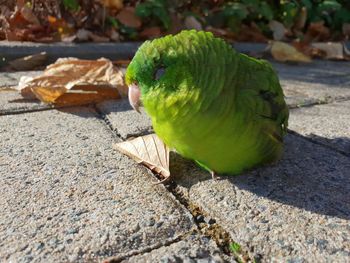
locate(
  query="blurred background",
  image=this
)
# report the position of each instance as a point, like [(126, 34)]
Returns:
[(302, 21)]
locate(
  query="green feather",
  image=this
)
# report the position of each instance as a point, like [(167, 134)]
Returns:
[(223, 109)]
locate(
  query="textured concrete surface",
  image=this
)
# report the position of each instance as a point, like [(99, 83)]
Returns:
[(327, 124), (318, 82), (12, 102), (124, 120), (66, 196), (294, 211), (192, 249), (10, 79)]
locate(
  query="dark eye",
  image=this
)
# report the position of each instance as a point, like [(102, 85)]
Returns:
[(159, 73)]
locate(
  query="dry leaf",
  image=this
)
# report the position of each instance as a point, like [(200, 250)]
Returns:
[(192, 23), (28, 15), (278, 30), (113, 35), (98, 39), (127, 17), (121, 62), (29, 62), (72, 81), (150, 151), (332, 50), (251, 33), (284, 52), (308, 50), (151, 32), (117, 4), (317, 31)]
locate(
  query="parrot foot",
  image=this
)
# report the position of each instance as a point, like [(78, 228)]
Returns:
[(214, 175)]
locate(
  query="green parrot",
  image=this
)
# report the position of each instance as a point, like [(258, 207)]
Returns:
[(223, 109)]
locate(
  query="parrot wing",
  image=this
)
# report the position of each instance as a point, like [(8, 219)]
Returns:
[(259, 91)]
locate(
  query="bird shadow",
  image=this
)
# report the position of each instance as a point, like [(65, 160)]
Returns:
[(309, 176)]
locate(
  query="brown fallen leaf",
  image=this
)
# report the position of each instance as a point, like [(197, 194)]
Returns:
[(317, 31), (117, 4), (127, 17), (28, 15), (72, 81), (98, 39), (150, 151), (251, 33), (332, 50), (29, 62), (308, 50), (151, 32), (284, 52), (121, 62)]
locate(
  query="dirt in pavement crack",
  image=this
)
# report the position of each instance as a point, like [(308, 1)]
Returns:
[(212, 229)]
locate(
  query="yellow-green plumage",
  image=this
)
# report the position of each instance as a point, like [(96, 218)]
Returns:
[(213, 105)]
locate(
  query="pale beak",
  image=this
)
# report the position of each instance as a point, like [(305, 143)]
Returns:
[(134, 95)]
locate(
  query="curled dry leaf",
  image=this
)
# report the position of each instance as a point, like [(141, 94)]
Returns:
[(150, 151), (71, 81), (29, 62), (284, 52)]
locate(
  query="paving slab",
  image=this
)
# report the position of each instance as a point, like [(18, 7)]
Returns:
[(67, 196), (10, 79), (327, 124), (191, 249), (294, 211), (11, 101), (318, 82), (124, 120)]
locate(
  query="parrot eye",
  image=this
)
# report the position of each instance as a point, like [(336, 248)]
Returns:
[(159, 73)]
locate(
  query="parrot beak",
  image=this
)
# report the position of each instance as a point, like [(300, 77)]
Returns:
[(134, 95)]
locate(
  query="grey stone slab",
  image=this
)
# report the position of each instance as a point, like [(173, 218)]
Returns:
[(67, 196), (296, 210), (318, 82), (126, 121), (328, 124), (193, 248), (11, 101), (10, 79)]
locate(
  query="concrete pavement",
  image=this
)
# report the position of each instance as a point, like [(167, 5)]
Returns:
[(68, 197)]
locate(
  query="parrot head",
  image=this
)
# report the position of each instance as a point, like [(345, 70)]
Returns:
[(162, 66)]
